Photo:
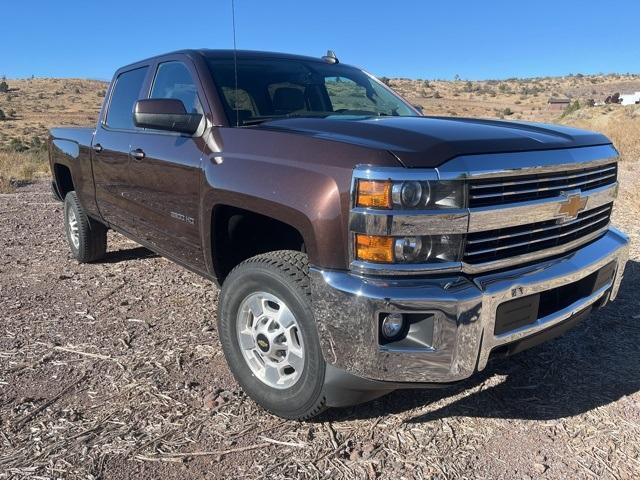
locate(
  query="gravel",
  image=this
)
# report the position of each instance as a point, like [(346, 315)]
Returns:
[(114, 371)]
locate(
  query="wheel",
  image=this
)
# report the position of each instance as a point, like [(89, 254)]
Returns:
[(87, 238), (269, 336)]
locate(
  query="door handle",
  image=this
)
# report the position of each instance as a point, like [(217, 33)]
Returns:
[(97, 148), (137, 153)]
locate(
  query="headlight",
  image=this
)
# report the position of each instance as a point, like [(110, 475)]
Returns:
[(411, 194), (403, 250)]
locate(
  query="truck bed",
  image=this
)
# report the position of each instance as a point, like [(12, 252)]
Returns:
[(70, 159), (80, 135)]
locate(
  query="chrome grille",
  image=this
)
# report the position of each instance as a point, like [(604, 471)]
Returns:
[(492, 191), (492, 245)]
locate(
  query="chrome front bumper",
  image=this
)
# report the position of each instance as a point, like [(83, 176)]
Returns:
[(347, 308)]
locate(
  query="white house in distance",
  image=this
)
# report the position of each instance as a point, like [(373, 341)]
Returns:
[(630, 98)]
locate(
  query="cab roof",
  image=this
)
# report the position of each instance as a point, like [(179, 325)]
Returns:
[(226, 54)]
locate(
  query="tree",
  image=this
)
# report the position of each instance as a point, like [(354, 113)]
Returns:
[(4, 87)]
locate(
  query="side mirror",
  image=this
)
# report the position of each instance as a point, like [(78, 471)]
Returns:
[(165, 114)]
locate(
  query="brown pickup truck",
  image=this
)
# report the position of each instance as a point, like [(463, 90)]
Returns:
[(360, 246)]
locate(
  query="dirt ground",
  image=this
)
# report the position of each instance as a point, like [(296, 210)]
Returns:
[(113, 371)]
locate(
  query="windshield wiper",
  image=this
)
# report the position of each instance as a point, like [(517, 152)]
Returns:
[(258, 120)]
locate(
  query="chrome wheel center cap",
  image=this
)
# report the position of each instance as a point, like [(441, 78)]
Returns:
[(263, 342)]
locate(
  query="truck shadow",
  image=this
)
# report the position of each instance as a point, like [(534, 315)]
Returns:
[(593, 365), (136, 253)]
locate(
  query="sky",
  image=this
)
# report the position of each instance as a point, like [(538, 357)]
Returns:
[(402, 38)]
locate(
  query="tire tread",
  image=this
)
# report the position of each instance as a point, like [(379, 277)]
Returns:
[(93, 234), (295, 266)]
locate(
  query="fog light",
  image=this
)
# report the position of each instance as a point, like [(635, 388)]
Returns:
[(392, 325)]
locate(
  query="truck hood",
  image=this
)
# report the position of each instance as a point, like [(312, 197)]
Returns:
[(431, 141)]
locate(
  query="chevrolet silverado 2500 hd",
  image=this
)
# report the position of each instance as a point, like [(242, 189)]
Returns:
[(360, 246)]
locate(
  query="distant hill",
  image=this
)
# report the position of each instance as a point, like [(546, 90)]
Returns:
[(518, 99), (31, 106)]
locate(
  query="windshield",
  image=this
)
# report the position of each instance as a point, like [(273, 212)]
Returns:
[(282, 88)]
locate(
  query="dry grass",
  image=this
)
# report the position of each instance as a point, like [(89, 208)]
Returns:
[(620, 124), (18, 168)]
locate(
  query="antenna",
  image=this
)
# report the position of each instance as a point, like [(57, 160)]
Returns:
[(330, 57), (235, 62)]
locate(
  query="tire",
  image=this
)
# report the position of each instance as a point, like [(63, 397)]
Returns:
[(86, 237), (265, 281)]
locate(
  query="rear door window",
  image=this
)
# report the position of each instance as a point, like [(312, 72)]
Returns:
[(173, 80), (126, 93)]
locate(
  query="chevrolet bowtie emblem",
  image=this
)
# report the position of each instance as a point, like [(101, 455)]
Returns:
[(572, 206)]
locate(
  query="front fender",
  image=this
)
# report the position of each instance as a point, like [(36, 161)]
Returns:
[(298, 179), (308, 201)]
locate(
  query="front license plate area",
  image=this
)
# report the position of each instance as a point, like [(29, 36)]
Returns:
[(527, 310)]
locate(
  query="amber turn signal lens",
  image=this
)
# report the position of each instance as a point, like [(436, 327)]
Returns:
[(374, 194), (371, 248)]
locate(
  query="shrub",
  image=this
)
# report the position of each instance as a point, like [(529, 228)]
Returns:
[(37, 143), (4, 87), (572, 108), (3, 116), (507, 111), (384, 80), (436, 94), (16, 145)]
